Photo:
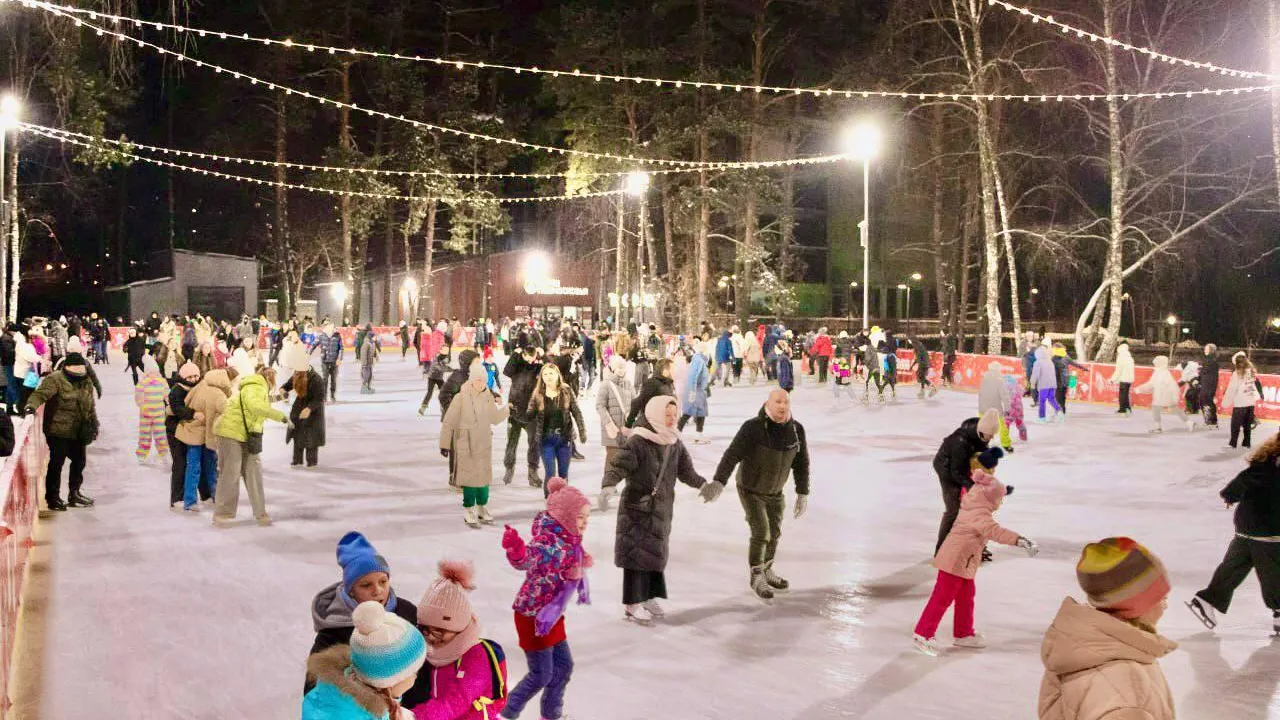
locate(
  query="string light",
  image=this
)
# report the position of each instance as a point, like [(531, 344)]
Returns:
[(57, 135), (660, 82), (1149, 52), (762, 164)]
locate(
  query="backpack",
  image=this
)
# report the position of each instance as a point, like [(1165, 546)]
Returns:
[(498, 677)]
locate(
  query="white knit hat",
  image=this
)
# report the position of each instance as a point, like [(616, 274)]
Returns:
[(298, 359), (385, 649), (477, 371)]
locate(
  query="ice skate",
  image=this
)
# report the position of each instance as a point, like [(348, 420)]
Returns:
[(1191, 426), (924, 646), (264, 521), (638, 615), (509, 475), (534, 480), (654, 609), (471, 518), (880, 398), (1204, 613), (484, 516), (775, 581), (1155, 431), (422, 410), (920, 394), (760, 586), (976, 641)]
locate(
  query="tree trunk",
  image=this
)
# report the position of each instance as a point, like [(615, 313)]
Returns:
[(1007, 236), (620, 264), (1119, 197), (787, 233), (970, 224), (13, 148), (428, 306), (280, 228), (704, 208), (941, 272), (1273, 11), (350, 307)]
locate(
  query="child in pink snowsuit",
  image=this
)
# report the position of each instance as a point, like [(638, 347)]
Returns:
[(1013, 416), (150, 395), (958, 560), (555, 564)]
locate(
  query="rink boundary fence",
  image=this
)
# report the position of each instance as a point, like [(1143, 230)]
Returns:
[(21, 481)]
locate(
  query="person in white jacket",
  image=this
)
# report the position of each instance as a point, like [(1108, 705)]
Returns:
[(739, 345), (1241, 395), (1123, 376), (1164, 393)]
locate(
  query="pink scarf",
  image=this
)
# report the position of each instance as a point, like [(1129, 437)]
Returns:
[(656, 413), (453, 650)]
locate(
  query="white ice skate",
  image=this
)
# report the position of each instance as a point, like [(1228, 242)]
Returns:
[(471, 518), (976, 641), (638, 615), (654, 608), (933, 390), (924, 646), (1191, 426), (1204, 612), (483, 515)]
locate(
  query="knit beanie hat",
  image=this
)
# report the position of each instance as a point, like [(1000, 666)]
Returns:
[(990, 457), (75, 344), (446, 603), (78, 359), (1122, 577), (989, 423), (477, 371), (565, 503), (358, 558), (189, 371), (385, 649), (298, 359), (148, 363), (617, 365)]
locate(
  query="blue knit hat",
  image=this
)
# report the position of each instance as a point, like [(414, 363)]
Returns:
[(385, 649), (358, 558)]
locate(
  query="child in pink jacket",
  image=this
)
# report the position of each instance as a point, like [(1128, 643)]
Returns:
[(958, 560), (468, 673)]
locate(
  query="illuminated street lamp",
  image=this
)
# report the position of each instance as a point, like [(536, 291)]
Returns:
[(637, 183), (862, 141)]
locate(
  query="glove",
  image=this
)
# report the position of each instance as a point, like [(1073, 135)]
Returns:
[(605, 496), (802, 506), (711, 491), (513, 544), (289, 424), (1028, 545), (444, 453), (587, 560)]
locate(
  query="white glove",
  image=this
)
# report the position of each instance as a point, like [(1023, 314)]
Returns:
[(802, 506), (1028, 545), (605, 496), (711, 492)]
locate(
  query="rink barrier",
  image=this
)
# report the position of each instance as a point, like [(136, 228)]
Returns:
[(20, 481)]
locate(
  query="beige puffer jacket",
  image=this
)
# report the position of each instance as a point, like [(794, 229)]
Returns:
[(1098, 667)]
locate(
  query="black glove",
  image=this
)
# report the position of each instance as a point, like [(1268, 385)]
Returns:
[(1008, 490), (444, 453)]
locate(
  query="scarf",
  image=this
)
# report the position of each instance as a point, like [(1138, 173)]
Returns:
[(551, 613), (655, 413), (453, 650), (351, 603)]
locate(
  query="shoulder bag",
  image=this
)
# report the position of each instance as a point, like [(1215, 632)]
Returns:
[(252, 440), (645, 502)]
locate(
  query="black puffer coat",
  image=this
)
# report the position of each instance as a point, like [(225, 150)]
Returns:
[(654, 386), (647, 502), (952, 461), (454, 384), (307, 433), (524, 377), (1257, 490)]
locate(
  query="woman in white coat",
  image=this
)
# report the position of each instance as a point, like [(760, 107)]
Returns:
[(1164, 393), (1241, 396), (1123, 376)]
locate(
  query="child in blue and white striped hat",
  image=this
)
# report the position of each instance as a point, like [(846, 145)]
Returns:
[(365, 680)]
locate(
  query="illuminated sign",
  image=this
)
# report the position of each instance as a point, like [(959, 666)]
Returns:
[(633, 300), (551, 286)]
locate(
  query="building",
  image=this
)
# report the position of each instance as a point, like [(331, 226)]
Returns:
[(187, 282)]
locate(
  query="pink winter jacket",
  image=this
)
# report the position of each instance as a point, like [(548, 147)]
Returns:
[(961, 552), (1098, 667), (459, 690)]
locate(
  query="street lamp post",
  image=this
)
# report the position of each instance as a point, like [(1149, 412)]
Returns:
[(853, 285), (862, 142), (637, 186), (1173, 322)]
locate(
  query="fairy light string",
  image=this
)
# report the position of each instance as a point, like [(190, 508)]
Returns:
[(71, 12)]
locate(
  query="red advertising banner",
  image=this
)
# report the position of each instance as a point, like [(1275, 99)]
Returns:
[(20, 482)]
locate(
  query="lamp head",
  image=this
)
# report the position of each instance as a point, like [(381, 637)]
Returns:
[(862, 140)]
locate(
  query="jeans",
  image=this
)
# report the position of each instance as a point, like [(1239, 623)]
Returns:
[(1048, 397), (202, 472), (1242, 419), (472, 496), (100, 355), (549, 672), (557, 451), (1245, 555), (724, 372), (61, 450), (1208, 407), (946, 590), (329, 378)]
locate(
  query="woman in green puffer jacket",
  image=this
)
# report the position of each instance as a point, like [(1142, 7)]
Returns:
[(247, 411)]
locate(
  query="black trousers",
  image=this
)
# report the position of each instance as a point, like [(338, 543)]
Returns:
[(178, 471), (515, 429), (1242, 419), (1244, 555), (61, 450), (431, 389), (1061, 396), (1124, 396), (698, 422), (823, 362), (641, 585), (951, 499), (312, 454), (329, 372), (1208, 407)]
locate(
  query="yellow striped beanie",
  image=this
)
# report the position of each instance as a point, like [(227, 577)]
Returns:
[(1122, 577)]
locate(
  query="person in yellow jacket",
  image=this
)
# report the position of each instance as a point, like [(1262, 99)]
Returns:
[(247, 411)]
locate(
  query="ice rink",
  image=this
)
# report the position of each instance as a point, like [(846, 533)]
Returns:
[(150, 613)]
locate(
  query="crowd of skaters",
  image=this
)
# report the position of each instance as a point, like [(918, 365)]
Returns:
[(213, 403)]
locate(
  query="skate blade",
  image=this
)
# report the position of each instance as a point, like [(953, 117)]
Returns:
[(1204, 619)]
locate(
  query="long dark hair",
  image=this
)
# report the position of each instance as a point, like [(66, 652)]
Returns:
[(539, 400)]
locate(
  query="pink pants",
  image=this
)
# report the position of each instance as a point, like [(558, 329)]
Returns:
[(946, 590)]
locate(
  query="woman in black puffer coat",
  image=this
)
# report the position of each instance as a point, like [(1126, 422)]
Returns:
[(658, 384), (651, 462), (1256, 494), (307, 416)]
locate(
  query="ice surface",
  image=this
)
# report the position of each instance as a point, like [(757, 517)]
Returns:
[(155, 614)]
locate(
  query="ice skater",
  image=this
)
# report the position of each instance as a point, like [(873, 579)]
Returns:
[(1255, 493), (768, 449), (922, 368), (1123, 377), (1163, 390), (993, 394), (1045, 378), (1241, 396), (149, 395), (466, 440), (1013, 418), (958, 561), (952, 464), (696, 393), (555, 565)]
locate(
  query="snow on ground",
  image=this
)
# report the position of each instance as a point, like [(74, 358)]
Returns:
[(157, 614)]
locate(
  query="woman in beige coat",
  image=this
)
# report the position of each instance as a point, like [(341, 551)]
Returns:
[(207, 400), (1101, 659), (466, 439)]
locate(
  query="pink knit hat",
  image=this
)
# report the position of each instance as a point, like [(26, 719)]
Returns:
[(565, 503), (446, 603)]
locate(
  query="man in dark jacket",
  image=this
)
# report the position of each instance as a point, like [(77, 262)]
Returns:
[(179, 385), (457, 379), (767, 450), (1209, 386), (952, 464), (330, 344), (1256, 494), (522, 368)]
